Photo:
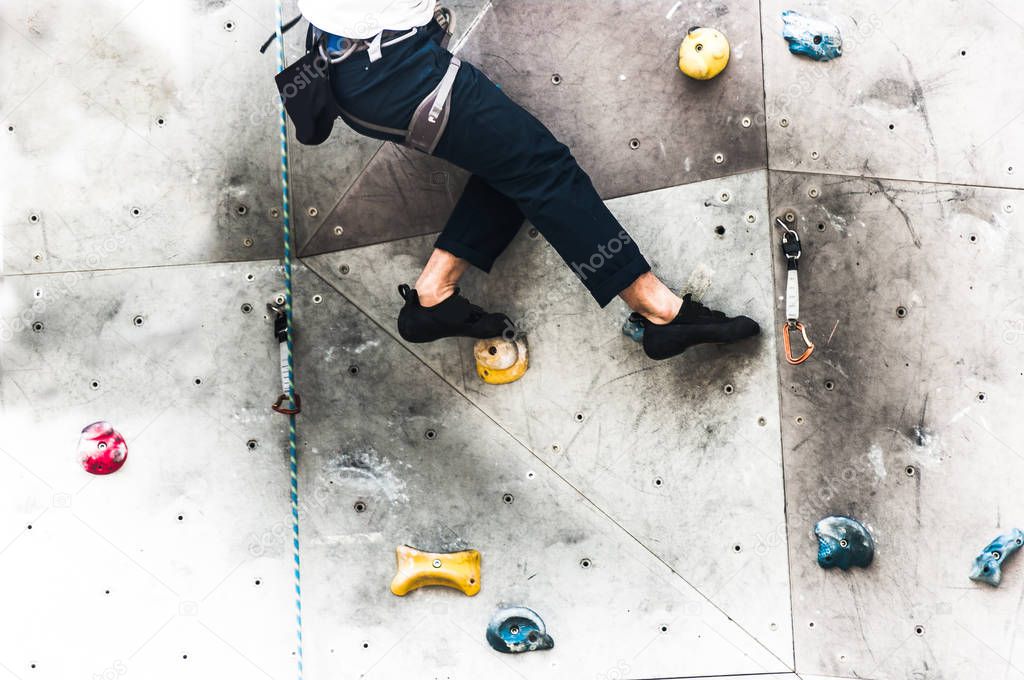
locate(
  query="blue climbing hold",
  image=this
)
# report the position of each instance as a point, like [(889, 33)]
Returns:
[(633, 328), (518, 629), (843, 542), (812, 37), (988, 566)]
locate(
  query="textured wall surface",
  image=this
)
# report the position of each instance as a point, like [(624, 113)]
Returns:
[(658, 515)]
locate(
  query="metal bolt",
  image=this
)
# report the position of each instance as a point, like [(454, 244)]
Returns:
[(784, 122), (312, 212), (338, 230), (745, 122), (724, 197), (555, 79), (138, 320), (751, 217), (247, 242), (344, 269), (719, 157), (813, 192), (1008, 207), (508, 499), (789, 217), (634, 144), (317, 299), (814, 155), (728, 389), (437, 564)]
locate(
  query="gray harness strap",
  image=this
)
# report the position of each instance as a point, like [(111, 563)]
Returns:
[(431, 116), (430, 119)]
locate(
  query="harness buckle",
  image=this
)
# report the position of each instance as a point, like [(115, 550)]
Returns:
[(787, 329)]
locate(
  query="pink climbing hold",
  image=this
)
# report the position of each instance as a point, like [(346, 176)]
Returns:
[(102, 449)]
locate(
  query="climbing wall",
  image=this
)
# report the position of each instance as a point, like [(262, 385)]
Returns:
[(658, 515)]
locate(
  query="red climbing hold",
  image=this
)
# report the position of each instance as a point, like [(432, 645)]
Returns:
[(102, 449)]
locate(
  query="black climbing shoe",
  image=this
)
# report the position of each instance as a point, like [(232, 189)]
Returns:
[(695, 324), (455, 316)]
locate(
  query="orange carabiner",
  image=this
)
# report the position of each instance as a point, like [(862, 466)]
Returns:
[(788, 328)]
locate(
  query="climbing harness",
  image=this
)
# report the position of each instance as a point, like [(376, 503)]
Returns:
[(309, 100), (287, 362), (791, 249)]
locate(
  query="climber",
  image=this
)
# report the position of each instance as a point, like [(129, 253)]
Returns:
[(393, 79)]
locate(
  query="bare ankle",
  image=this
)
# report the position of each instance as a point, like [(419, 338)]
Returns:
[(431, 294)]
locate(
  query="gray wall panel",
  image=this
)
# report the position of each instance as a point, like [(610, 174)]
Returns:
[(176, 587), (641, 420), (365, 439), (925, 91), (917, 436), (618, 81)]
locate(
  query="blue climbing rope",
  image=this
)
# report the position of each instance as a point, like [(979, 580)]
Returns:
[(286, 224)]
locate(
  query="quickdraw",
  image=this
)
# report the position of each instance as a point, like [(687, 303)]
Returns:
[(791, 249), (281, 334)]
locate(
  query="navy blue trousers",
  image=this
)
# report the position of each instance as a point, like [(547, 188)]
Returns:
[(519, 170)]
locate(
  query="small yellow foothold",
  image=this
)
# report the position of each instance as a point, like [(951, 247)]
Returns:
[(703, 53), (459, 570), (500, 361)]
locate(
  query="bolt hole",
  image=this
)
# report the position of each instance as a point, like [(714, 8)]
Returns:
[(197, 381), (728, 389), (891, 126), (37, 326), (257, 582), (250, 277), (430, 434), (698, 47), (799, 420), (658, 481), (811, 624), (555, 79), (634, 143), (585, 563), (963, 53), (664, 628), (972, 238), (229, 25), (33, 218), (353, 370), (181, 517), (533, 233), (252, 444), (737, 548), (366, 645), (981, 396), (138, 320), (720, 230), (472, 581), (136, 212), (492, 350), (821, 226), (344, 269), (579, 417), (817, 40), (762, 421), (317, 299), (359, 506), (829, 385), (508, 499), (910, 471), (901, 312), (246, 308), (532, 637), (919, 630)]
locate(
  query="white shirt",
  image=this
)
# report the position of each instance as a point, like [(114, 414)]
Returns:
[(366, 18)]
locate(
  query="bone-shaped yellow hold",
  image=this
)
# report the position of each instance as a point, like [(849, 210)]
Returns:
[(459, 570)]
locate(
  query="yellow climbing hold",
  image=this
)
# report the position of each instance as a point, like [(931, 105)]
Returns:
[(703, 53), (500, 361), (459, 570)]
